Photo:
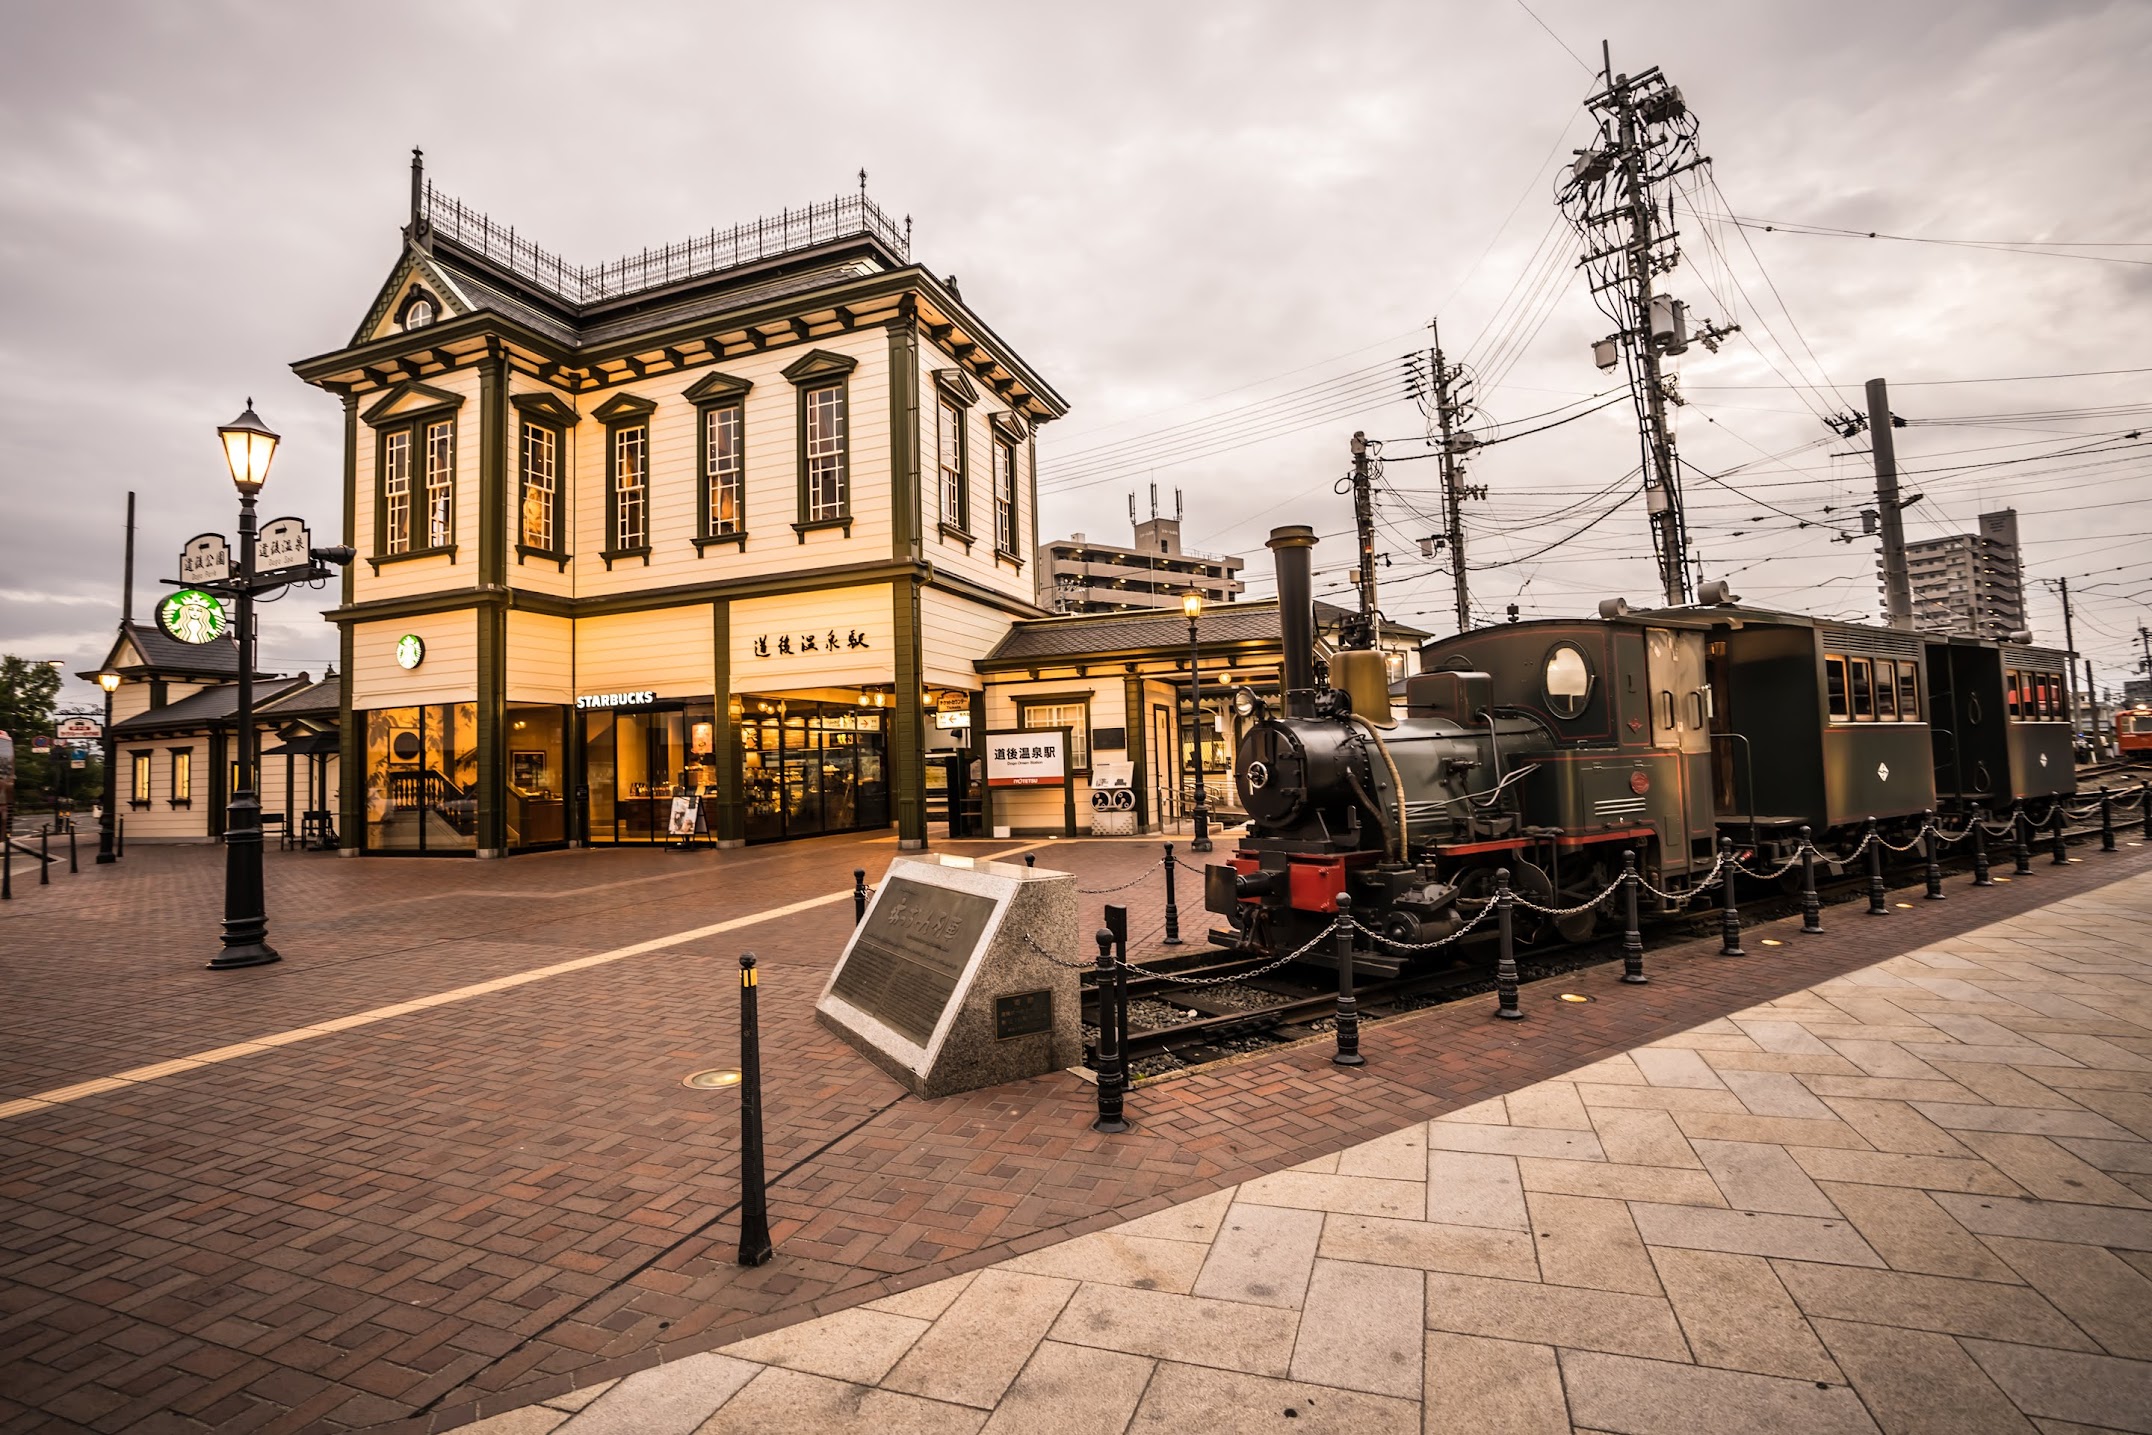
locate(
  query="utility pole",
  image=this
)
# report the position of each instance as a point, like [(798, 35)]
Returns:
[(1897, 586), (1662, 479), (1363, 518), (2069, 644), (1448, 412)]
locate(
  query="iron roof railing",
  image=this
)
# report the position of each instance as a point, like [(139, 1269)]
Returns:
[(769, 236)]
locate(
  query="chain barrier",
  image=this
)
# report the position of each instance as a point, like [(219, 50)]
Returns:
[(1683, 899), (1396, 946), (1140, 970), (1783, 868), (1144, 875), (1531, 906)]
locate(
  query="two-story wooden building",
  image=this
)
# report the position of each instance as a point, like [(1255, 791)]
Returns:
[(730, 519)]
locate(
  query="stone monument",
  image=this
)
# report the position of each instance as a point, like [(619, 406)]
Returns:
[(939, 986)]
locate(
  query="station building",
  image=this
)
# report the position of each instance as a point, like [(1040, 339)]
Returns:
[(736, 518)]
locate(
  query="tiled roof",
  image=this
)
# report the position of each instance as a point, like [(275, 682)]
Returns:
[(324, 698), (1046, 639), (161, 654), (207, 708)]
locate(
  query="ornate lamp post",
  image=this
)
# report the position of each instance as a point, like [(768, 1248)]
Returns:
[(248, 448), (1192, 606), (110, 682)]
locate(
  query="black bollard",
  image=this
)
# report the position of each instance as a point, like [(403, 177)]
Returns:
[(2057, 844), (44, 857), (1505, 969), (859, 895), (7, 865), (1811, 904), (1031, 859), (2020, 842), (1878, 894), (1117, 923), (2107, 822), (1111, 1074), (754, 1195), (1980, 850), (74, 865), (1933, 873), (119, 836), (1632, 936), (1729, 913), (2144, 807), (1173, 910), (1348, 1024)]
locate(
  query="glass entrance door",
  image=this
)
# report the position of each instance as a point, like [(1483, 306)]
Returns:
[(634, 762)]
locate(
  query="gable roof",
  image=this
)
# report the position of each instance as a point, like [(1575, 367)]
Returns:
[(142, 649), (1039, 641), (210, 707), (321, 698)]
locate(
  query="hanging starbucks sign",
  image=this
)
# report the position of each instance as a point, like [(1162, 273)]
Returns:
[(191, 616)]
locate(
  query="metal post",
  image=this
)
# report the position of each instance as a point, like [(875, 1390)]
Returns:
[(2144, 807), (74, 863), (1173, 911), (109, 815), (1031, 859), (1811, 905), (1934, 869), (7, 861), (1980, 849), (2107, 821), (44, 856), (1878, 894), (1897, 589), (859, 895), (119, 837), (246, 908), (2057, 844), (1632, 935), (754, 1194), (1348, 1023), (1111, 1073), (1729, 913), (2020, 844), (1505, 970), (1200, 842)]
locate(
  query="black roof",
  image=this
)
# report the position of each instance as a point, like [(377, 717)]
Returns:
[(168, 657), (1080, 635), (323, 698), (208, 708)]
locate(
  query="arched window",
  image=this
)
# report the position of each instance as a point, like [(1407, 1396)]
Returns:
[(418, 315)]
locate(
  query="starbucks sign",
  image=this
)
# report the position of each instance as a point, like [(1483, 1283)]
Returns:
[(191, 616)]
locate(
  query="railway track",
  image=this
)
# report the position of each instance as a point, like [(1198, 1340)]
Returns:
[(1232, 1018)]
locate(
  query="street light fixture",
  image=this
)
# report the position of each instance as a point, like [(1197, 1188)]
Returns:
[(1192, 607), (110, 682), (249, 446)]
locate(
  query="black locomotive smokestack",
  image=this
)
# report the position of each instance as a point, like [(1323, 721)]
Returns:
[(1290, 549)]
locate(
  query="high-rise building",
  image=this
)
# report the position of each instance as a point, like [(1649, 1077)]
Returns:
[(1077, 575), (1970, 582)]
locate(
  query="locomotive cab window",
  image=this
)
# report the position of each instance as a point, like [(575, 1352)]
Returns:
[(1886, 690), (1567, 681), (1834, 682)]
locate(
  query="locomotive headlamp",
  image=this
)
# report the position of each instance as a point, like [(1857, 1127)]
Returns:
[(1246, 704)]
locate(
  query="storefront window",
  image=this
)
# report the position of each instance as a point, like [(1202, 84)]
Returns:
[(537, 811), (422, 778), (811, 767), (636, 763)]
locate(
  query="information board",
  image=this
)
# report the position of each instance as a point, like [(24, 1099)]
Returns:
[(685, 819), (905, 960), (1027, 758)]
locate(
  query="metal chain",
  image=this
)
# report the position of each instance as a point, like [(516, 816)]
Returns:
[(1680, 899), (1532, 906), (1109, 891), (1271, 966), (1396, 946)]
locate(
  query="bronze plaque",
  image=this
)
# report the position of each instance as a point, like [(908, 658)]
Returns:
[(906, 960), (1023, 1014)]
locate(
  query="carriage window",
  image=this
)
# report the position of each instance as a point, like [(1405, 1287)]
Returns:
[(1908, 693), (2010, 691), (1834, 681), (1863, 690), (1886, 690), (1568, 681)]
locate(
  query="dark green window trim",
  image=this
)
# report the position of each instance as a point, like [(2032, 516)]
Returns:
[(620, 414), (413, 423), (559, 560), (1007, 436), (954, 394), (1026, 701), (382, 560), (813, 373), (711, 393), (545, 412)]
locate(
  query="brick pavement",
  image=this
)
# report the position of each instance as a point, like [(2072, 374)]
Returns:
[(472, 1206), (1915, 1197)]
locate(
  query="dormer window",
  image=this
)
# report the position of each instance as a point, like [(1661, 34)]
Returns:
[(419, 315)]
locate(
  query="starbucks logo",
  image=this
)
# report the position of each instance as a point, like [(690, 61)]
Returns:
[(410, 651), (191, 616)]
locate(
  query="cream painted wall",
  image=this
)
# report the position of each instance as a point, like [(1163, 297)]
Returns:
[(669, 651), (770, 622), (420, 575), (541, 658), (448, 674), (979, 564), (161, 821), (1035, 808), (956, 633), (543, 575)]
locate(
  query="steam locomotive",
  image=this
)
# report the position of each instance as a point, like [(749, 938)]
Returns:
[(1552, 747)]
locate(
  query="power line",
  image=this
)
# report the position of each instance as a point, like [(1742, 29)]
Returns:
[(2052, 250), (1912, 383)]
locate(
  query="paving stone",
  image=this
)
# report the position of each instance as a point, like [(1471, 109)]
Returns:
[(2050, 1221), (1584, 1241), (1494, 1111), (2131, 1109), (1884, 1088), (1515, 1140), (671, 1399), (1072, 1390), (926, 1302), (2107, 1297), (1399, 1156), (1939, 1303), (1192, 1400), (530, 1420), (1568, 1316), (1499, 1387), (1647, 1397), (1195, 1220), (1363, 1328), (1917, 1383), (1112, 1258), (2132, 1156), (1895, 1126), (1642, 1137), (1627, 1183), (2000, 1086), (856, 1345), (1912, 1233), (2094, 1390), (1192, 1330), (1883, 1059), (1698, 1228), (794, 1400), (1664, 1067), (2048, 1171), (1774, 1093), (985, 1337), (575, 1400), (1357, 1195), (1263, 1255), (1429, 1246), (1473, 1188), (1549, 1104), (1780, 1130), (1958, 1117), (1888, 1168), (1787, 1036), (1761, 1177), (1737, 1315)]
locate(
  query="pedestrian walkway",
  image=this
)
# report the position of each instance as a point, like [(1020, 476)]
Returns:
[(1917, 1197)]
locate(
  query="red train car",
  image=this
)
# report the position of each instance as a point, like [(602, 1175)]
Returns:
[(2133, 733)]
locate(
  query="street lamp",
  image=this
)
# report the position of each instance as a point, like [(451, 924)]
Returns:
[(110, 682), (248, 448), (1192, 606)]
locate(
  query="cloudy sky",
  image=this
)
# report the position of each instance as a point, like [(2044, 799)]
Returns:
[(1216, 228)]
